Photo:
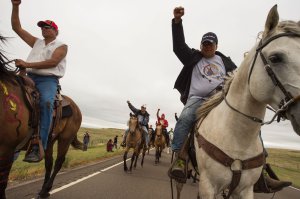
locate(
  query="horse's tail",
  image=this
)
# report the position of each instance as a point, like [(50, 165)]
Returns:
[(76, 143)]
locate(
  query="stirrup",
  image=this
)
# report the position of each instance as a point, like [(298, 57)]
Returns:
[(34, 154), (180, 175)]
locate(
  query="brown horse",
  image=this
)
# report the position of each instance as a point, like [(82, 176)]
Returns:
[(159, 142), (151, 143), (136, 141), (14, 119)]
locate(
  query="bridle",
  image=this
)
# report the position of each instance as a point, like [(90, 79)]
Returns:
[(131, 124), (289, 99)]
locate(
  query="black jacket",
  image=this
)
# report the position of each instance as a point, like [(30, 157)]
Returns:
[(137, 112), (189, 57)]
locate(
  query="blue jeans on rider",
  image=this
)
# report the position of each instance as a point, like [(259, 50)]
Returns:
[(145, 131), (47, 87), (185, 123)]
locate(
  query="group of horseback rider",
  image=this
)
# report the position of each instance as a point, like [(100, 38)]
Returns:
[(203, 72), (148, 132)]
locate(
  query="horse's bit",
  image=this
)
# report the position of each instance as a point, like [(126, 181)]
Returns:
[(289, 98)]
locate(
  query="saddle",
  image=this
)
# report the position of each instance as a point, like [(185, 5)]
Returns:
[(31, 96)]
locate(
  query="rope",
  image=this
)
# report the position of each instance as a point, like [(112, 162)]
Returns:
[(171, 180)]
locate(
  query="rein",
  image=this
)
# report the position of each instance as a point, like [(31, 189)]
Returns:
[(255, 119)]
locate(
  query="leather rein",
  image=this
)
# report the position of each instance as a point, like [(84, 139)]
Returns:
[(289, 98)]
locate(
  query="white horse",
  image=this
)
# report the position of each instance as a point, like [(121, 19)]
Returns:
[(269, 75)]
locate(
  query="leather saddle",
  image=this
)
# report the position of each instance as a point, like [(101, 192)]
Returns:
[(62, 108)]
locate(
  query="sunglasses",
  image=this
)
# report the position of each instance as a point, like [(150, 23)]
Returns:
[(47, 27)]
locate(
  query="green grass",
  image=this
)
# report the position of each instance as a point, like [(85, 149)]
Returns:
[(96, 151), (285, 163)]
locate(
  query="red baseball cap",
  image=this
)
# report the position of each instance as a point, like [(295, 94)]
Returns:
[(48, 23)]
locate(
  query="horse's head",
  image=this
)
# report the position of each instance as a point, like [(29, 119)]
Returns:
[(274, 75), (158, 129), (133, 123)]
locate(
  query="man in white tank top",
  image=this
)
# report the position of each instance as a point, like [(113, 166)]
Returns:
[(45, 64)]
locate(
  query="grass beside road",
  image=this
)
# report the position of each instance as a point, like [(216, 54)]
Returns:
[(22, 171), (285, 163)]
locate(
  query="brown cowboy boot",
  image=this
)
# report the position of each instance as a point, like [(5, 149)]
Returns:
[(267, 184), (276, 185), (35, 151)]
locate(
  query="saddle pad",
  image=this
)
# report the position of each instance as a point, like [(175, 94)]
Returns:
[(66, 111)]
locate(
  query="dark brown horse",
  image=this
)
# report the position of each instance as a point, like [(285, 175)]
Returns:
[(136, 141), (159, 142), (151, 142), (14, 118)]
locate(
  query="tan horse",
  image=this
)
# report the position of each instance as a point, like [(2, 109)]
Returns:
[(136, 141), (269, 75), (14, 118), (159, 142)]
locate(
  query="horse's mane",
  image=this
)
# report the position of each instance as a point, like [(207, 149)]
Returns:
[(289, 26), (215, 99), (5, 72)]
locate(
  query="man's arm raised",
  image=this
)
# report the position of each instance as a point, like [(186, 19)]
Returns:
[(16, 24)]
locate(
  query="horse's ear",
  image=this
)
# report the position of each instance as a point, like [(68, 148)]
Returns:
[(272, 21), (130, 114)]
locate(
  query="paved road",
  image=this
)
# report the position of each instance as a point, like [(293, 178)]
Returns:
[(107, 180)]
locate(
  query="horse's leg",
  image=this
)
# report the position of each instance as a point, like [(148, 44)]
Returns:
[(179, 187), (195, 177), (62, 149), (156, 155), (144, 152), (206, 189), (5, 166), (160, 150), (244, 194), (48, 163), (132, 160), (124, 159), (137, 157)]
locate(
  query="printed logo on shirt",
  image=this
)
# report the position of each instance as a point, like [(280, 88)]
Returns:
[(212, 71)]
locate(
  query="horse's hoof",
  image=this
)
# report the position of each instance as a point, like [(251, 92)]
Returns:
[(43, 195)]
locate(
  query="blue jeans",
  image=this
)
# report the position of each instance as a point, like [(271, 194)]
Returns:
[(47, 87), (145, 132), (185, 122)]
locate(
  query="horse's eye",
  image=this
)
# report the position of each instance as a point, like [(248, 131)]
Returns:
[(275, 59)]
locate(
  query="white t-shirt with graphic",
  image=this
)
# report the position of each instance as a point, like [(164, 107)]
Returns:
[(207, 75)]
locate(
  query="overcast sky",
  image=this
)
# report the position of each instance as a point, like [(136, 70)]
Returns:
[(121, 50)]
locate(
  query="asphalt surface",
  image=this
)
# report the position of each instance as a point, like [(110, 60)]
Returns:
[(107, 180)]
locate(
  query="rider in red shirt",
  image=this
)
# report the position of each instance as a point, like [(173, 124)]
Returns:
[(161, 120)]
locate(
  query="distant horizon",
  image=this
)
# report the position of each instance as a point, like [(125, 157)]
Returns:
[(276, 135)]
